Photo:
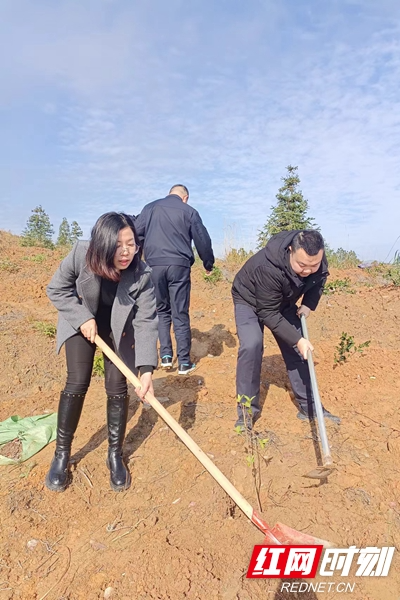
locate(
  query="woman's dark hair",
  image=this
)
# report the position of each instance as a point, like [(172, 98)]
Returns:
[(103, 245), (310, 240)]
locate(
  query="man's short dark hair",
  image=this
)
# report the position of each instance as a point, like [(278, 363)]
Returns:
[(182, 187), (310, 240)]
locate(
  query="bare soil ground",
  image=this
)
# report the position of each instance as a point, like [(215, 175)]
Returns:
[(175, 534)]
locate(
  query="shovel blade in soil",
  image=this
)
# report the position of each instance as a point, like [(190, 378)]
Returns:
[(285, 535), (288, 536), (320, 473)]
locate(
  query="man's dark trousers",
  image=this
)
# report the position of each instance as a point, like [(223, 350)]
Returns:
[(172, 288), (250, 331)]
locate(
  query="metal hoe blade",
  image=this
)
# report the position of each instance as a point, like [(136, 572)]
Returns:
[(320, 473)]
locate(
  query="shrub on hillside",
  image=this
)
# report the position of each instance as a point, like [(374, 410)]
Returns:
[(347, 347), (215, 276), (238, 256), (341, 259)]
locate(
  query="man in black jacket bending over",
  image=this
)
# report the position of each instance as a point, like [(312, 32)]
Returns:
[(168, 227), (265, 292)]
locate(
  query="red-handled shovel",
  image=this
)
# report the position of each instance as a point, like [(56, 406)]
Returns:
[(280, 534)]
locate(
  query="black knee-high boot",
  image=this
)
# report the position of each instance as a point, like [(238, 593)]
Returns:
[(117, 416), (69, 412)]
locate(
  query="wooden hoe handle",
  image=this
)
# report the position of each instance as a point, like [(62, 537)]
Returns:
[(180, 432)]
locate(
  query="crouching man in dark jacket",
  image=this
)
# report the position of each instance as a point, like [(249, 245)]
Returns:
[(265, 292)]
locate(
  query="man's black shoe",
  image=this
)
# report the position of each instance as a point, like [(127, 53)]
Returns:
[(166, 362), (186, 369), (304, 416)]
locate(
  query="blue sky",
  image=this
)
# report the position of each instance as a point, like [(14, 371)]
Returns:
[(106, 103)]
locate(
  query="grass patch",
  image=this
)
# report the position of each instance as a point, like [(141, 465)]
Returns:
[(47, 329), (8, 266), (389, 274), (98, 364), (393, 274), (339, 285), (37, 258)]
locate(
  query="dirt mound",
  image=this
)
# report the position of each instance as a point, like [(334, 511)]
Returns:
[(175, 534)]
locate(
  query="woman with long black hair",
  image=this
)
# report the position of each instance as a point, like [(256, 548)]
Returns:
[(103, 287)]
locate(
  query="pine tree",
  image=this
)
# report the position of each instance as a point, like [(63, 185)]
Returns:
[(64, 234), (290, 212), (76, 232), (38, 230)]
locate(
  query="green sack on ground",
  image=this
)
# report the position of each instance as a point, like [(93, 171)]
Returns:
[(33, 433)]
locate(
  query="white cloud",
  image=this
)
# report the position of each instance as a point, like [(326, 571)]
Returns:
[(222, 102)]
